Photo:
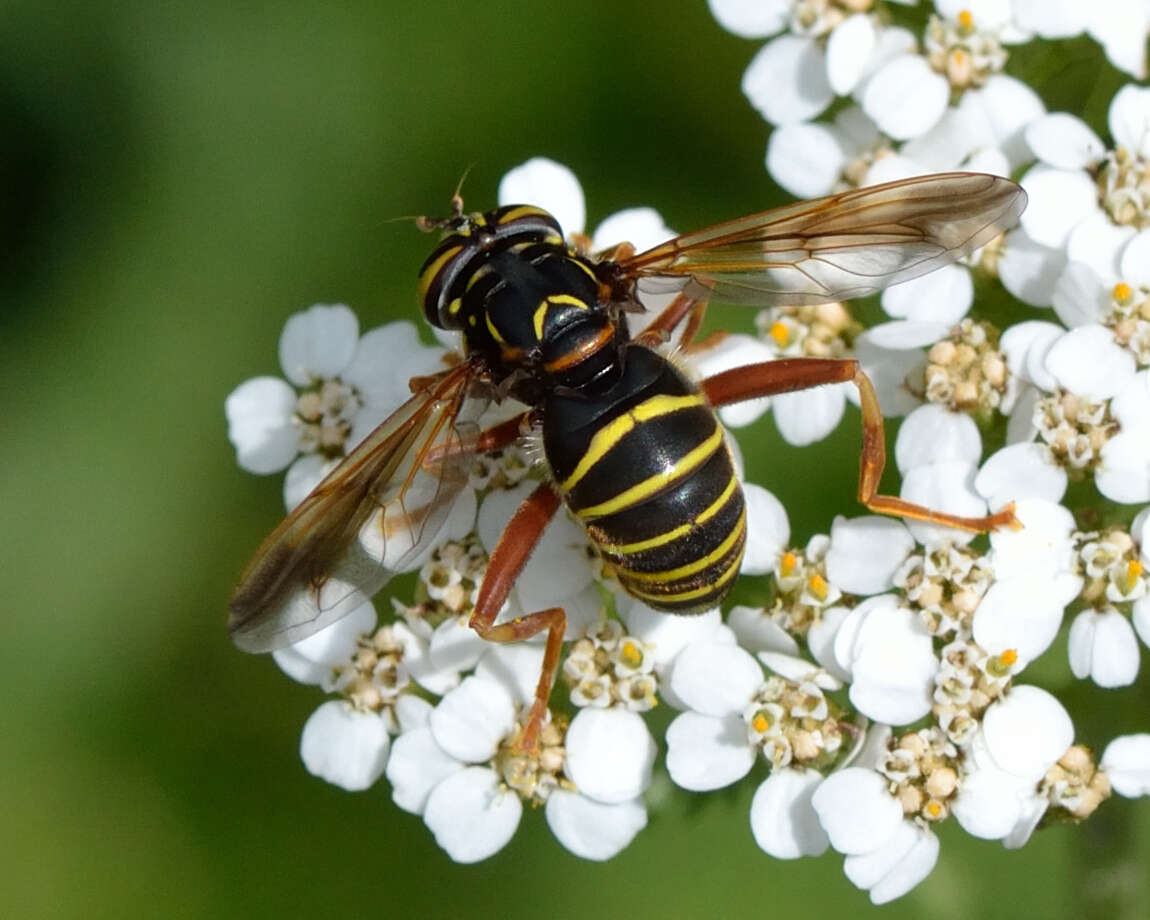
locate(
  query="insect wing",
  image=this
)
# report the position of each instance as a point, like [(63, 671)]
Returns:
[(838, 247), (374, 515)]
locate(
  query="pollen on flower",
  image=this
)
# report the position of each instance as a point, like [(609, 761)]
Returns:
[(967, 682), (944, 586), (376, 674), (1075, 429), (965, 371), (965, 55), (817, 18), (608, 667), (1124, 188), (823, 331), (1114, 573), (793, 722), (449, 580), (801, 589), (922, 769), (534, 776), (501, 469), (1129, 318), (324, 414), (1075, 785)]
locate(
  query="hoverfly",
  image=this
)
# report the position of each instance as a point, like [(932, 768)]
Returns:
[(634, 448)]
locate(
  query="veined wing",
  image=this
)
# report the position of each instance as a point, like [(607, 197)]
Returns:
[(838, 247), (374, 515)]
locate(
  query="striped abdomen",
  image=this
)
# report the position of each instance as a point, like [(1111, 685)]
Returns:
[(646, 470)]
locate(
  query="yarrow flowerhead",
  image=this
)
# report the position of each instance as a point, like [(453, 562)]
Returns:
[(877, 682)]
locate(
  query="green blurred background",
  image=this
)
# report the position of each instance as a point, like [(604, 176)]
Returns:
[(177, 179)]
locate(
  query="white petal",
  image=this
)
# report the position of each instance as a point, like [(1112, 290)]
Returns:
[(1125, 472), (849, 48), (593, 830), (412, 712), (318, 343), (471, 720), (642, 227), (516, 666), (989, 803), (1020, 471), (311, 660), (733, 351), (1134, 264), (259, 413), (1008, 105), (754, 19), (714, 678), (1030, 270), (559, 566), (890, 871), (821, 641), (1126, 761), (892, 665), (345, 747), (905, 97), (757, 632), (548, 185), (1103, 647), (386, 359), (934, 434), (1129, 118), (1088, 362), (1064, 141), (943, 296), (303, 476), (1081, 298), (471, 817), (809, 416), (865, 553), (1058, 200), (787, 80), (1022, 615), (1052, 18), (1098, 242), (416, 766), (670, 633), (1027, 731), (1025, 345), (707, 752), (610, 753), (456, 647), (1120, 26), (768, 530), (805, 158), (783, 822), (856, 811), (946, 487)]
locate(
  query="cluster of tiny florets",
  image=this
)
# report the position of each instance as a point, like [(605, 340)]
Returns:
[(966, 55), (794, 722), (922, 770), (944, 585), (608, 667), (965, 371)]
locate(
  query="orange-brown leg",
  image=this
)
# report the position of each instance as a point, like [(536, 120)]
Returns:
[(679, 309), (790, 374), (506, 562)]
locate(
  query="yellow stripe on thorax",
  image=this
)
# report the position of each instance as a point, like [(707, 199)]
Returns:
[(611, 433), (698, 565), (690, 461), (554, 300)]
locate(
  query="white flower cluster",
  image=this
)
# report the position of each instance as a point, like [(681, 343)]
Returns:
[(880, 687)]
